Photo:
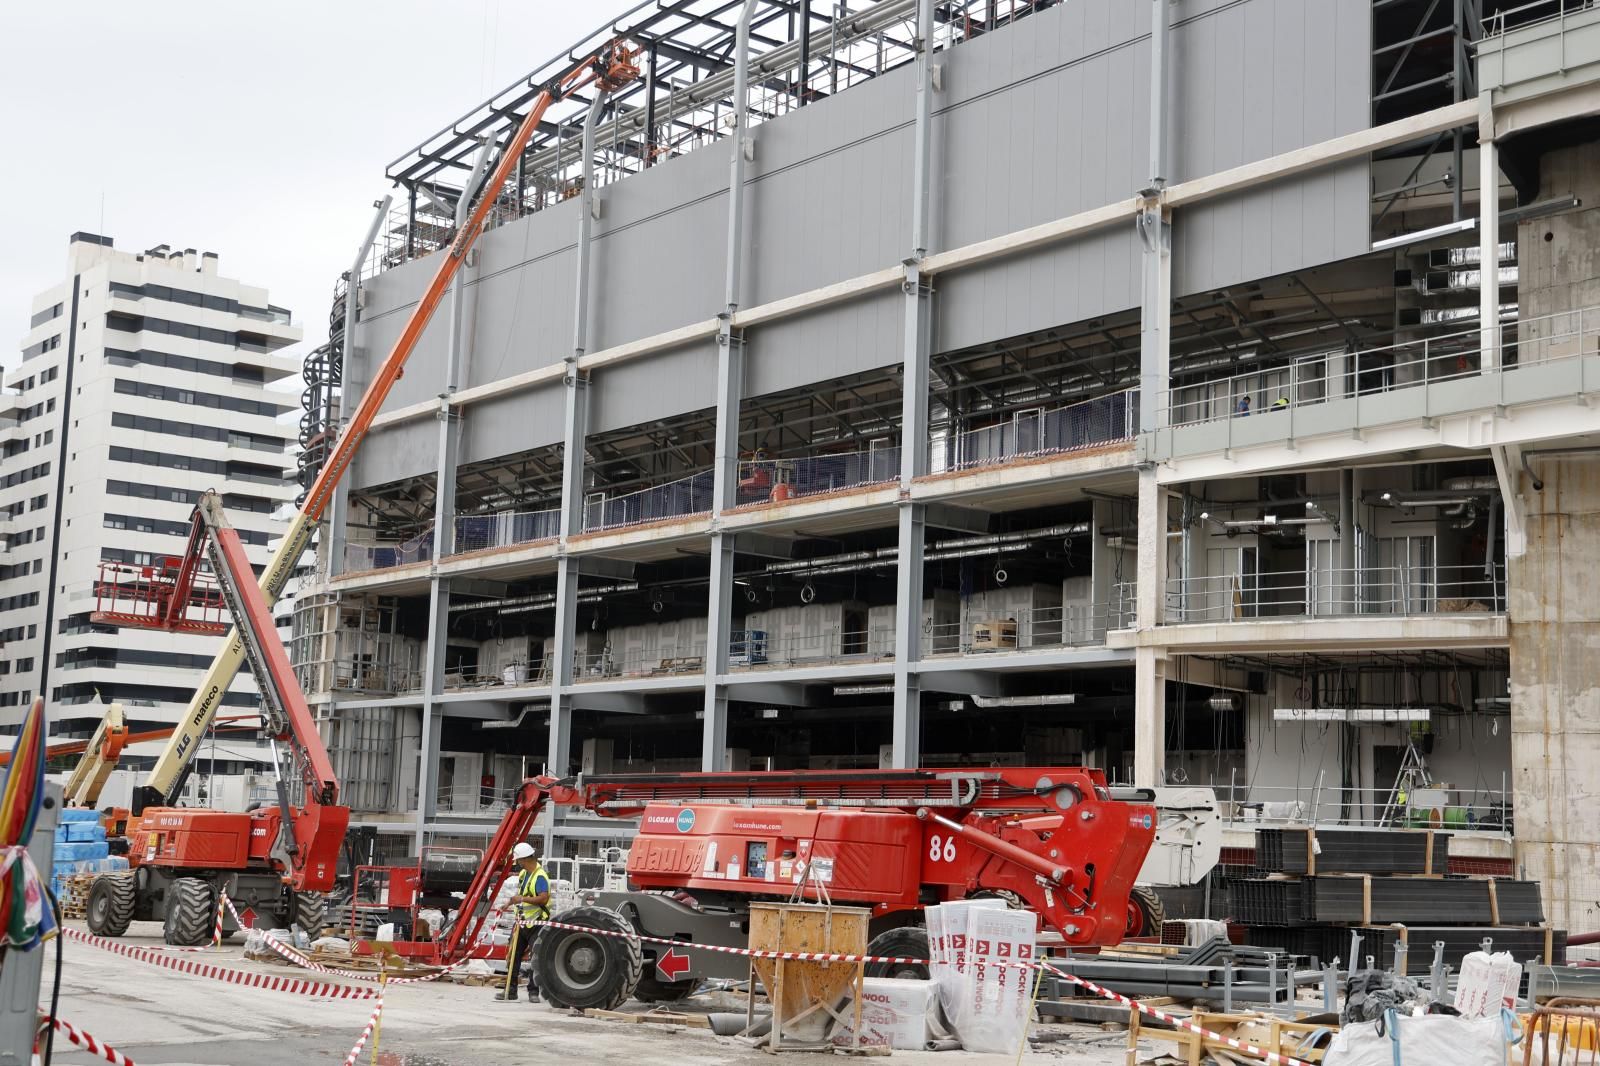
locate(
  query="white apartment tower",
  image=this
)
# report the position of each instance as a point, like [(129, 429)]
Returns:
[(144, 381)]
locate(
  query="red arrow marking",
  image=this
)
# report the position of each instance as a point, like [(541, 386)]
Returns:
[(671, 965), (248, 917)]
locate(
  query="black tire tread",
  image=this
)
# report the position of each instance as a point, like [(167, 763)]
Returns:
[(123, 900), (191, 913), (654, 990), (1148, 901), (616, 993), (907, 941), (310, 912)]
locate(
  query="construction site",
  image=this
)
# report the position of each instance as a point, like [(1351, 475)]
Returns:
[(1000, 527)]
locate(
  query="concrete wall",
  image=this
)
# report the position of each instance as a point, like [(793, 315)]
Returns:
[(1033, 123), (1554, 589), (1555, 690)]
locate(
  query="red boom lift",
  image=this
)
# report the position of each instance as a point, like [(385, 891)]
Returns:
[(275, 860), (1056, 841)]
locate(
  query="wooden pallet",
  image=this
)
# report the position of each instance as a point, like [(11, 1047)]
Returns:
[(654, 1017)]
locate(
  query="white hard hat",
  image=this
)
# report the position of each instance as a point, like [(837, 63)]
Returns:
[(522, 851)]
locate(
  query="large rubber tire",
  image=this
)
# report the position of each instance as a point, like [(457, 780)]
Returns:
[(191, 913), (654, 990), (112, 898), (908, 941), (310, 913), (1146, 912), (587, 970)]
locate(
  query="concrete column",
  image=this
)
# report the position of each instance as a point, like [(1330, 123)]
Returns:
[(906, 732), (1553, 594), (1150, 717), (1150, 693)]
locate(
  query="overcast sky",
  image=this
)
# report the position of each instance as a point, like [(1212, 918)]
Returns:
[(259, 131)]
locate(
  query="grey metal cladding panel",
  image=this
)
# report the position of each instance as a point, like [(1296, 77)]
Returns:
[(1259, 78), (830, 343), (390, 298), (841, 213), (1096, 275), (530, 419), (1317, 218), (661, 386), (520, 318), (1041, 121), (661, 273), (395, 452)]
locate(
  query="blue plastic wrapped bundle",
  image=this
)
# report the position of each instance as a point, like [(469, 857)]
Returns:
[(85, 832), (79, 814)]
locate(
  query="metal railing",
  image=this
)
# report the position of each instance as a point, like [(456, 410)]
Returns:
[(672, 657), (1086, 424), (474, 799), (1463, 810), (360, 557), (1529, 14), (480, 532), (1327, 593), (1338, 375), (676, 499), (1070, 626), (751, 648), (764, 481)]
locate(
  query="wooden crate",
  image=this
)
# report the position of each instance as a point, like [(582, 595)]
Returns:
[(802, 990)]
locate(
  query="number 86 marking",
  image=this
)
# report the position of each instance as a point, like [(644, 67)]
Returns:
[(941, 849)]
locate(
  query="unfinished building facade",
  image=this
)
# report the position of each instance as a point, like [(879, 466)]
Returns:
[(1200, 390)]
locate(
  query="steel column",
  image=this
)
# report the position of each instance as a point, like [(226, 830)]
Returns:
[(730, 389), (714, 730), (1488, 238), (1347, 542), (339, 505), (906, 728), (444, 507)]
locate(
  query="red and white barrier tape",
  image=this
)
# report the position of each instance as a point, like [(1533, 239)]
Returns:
[(361, 1041), (1272, 1057), (293, 955), (221, 973), (90, 1044)]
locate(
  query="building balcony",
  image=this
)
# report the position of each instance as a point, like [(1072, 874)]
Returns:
[(683, 498), (1040, 432), (504, 529), (1343, 397), (1371, 607), (1379, 590)]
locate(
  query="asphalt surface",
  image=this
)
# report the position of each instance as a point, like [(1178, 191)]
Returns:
[(160, 1018)]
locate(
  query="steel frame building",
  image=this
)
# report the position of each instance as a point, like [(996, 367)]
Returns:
[(1173, 311)]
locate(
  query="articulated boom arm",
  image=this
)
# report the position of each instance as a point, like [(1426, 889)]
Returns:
[(607, 69), (1058, 839)]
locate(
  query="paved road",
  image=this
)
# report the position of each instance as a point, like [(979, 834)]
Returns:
[(161, 1018)]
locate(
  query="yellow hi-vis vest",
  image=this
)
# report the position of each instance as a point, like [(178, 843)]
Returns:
[(532, 884)]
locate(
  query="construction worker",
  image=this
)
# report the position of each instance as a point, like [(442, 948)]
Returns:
[(530, 905), (1242, 408), (1281, 403)]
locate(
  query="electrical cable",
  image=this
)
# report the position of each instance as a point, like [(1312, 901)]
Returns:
[(55, 984)]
